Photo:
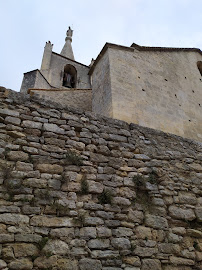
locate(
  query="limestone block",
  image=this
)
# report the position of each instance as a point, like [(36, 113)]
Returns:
[(122, 232), (12, 120), (21, 264), (30, 210), (98, 158), (44, 221), (95, 187), (132, 260), (3, 264), (195, 166), (24, 250), (120, 243), (46, 262), (126, 268), (6, 238), (103, 232), (127, 192), (187, 198), (35, 182), (169, 248), (28, 238), (93, 206), (117, 138), (56, 247), (145, 251), (22, 166), (194, 233), (50, 168), (143, 232), (181, 261), (31, 124), (14, 219), (174, 238), (2, 228), (9, 209), (8, 112), (156, 222), (53, 128), (121, 201), (62, 233), (179, 230), (98, 243), (105, 254), (151, 264), (86, 264), (142, 157), (135, 216), (17, 155), (88, 232), (93, 221), (30, 150), (79, 251), (7, 253), (112, 223), (67, 263), (198, 212), (181, 213)]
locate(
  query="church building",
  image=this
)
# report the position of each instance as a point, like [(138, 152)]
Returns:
[(156, 87)]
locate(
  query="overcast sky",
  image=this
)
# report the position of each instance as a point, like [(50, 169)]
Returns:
[(25, 26)]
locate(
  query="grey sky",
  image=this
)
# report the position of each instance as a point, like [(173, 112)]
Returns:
[(25, 26)]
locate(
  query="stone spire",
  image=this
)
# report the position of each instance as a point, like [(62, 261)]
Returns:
[(67, 49)]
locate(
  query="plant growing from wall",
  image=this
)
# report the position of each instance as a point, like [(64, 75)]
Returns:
[(139, 181), (41, 244), (61, 210), (153, 177), (105, 197), (80, 219), (74, 159), (84, 186)]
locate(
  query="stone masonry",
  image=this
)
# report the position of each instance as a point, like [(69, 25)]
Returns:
[(80, 191)]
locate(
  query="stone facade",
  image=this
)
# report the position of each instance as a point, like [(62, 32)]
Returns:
[(75, 98), (154, 87), (80, 191), (159, 88)]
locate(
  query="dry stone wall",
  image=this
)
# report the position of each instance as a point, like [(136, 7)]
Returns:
[(80, 191)]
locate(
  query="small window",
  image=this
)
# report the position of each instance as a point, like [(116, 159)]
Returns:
[(69, 76), (199, 65)]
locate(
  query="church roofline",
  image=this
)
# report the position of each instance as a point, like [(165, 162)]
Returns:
[(139, 48), (104, 49), (41, 75), (164, 49), (70, 59)]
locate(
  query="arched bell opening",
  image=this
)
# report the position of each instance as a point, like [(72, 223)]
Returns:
[(69, 76), (199, 65)]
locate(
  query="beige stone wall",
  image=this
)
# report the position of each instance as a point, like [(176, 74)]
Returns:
[(77, 98), (41, 82), (33, 79), (82, 192), (161, 90), (101, 85)]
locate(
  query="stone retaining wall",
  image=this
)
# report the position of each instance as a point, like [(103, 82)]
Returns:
[(80, 191)]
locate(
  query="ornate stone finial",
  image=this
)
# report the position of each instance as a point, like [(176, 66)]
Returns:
[(69, 34), (67, 49)]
